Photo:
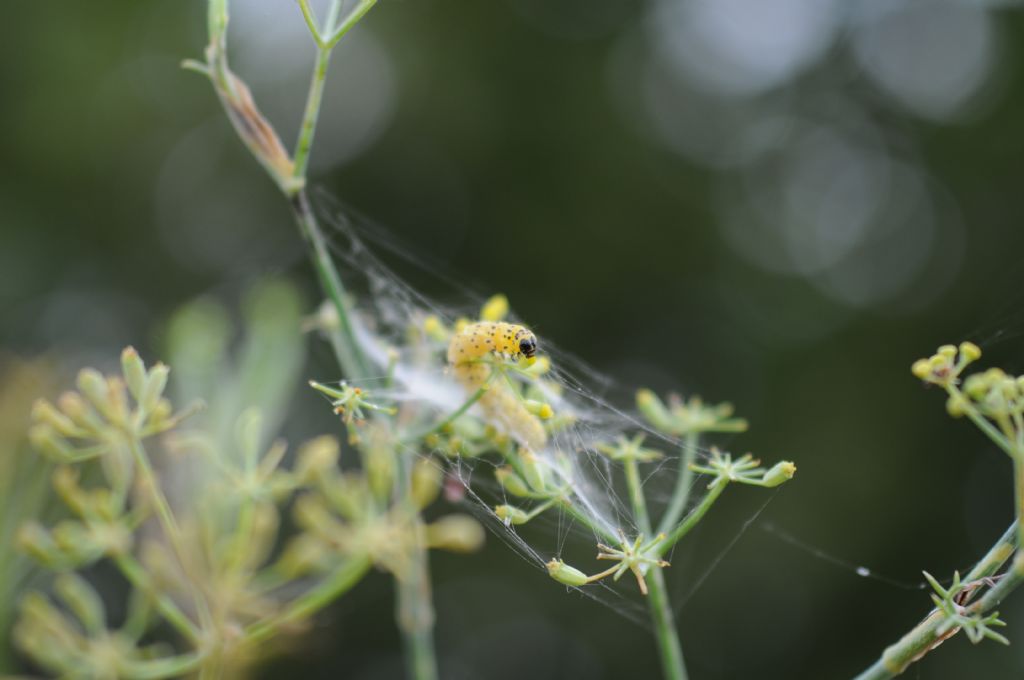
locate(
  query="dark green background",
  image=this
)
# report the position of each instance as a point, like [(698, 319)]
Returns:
[(508, 162)]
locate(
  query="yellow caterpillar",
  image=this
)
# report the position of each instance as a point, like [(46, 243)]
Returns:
[(478, 340)]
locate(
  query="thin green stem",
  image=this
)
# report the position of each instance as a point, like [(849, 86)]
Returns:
[(683, 482), (314, 99), (636, 495), (695, 516), (348, 350), (1018, 490), (343, 579), (414, 609), (669, 648), (310, 17), (351, 20)]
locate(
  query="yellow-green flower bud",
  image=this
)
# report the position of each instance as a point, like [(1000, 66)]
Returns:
[(946, 351), (539, 409), (117, 397), (539, 367), (303, 554), (494, 309), (969, 351), (426, 482), (534, 470), (154, 389), (956, 405), (45, 412), (46, 441), (36, 542), (509, 514), (74, 406), (94, 387), (563, 573), (317, 456), (653, 409), (922, 368), (511, 482), (456, 533), (134, 370), (435, 329), (782, 472)]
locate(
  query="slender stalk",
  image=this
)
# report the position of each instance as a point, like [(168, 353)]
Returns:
[(669, 648), (309, 119), (682, 491), (1018, 490), (695, 516), (922, 637), (414, 609), (347, 349), (324, 593)]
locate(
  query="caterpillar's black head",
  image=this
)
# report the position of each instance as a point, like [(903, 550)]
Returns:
[(528, 346)]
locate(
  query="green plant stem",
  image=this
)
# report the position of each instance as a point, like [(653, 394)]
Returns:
[(312, 114), (344, 578), (683, 481), (414, 609), (346, 348), (669, 648), (922, 637), (1018, 490), (695, 516)]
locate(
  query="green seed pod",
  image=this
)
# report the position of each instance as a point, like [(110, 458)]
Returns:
[(782, 472), (509, 514), (44, 412), (456, 533), (134, 370), (46, 441), (653, 409), (94, 387), (317, 456), (156, 381), (426, 482), (969, 351), (494, 309), (511, 482), (534, 471), (563, 573), (36, 542)]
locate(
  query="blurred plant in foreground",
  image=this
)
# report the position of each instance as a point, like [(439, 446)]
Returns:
[(24, 492), (994, 402), (201, 550)]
